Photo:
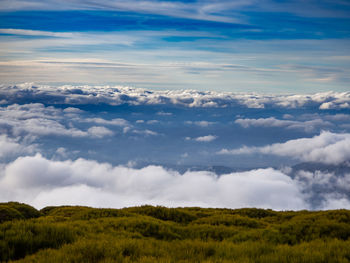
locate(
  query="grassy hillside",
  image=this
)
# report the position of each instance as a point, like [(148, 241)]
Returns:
[(159, 234)]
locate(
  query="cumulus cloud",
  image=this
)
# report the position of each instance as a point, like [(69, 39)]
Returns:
[(41, 120), (62, 152), (334, 105), (134, 96), (72, 110), (325, 189), (200, 123), (11, 147), (99, 131), (46, 127), (116, 121), (308, 126), (36, 119), (328, 148), (42, 182), (30, 111), (207, 138), (338, 117)]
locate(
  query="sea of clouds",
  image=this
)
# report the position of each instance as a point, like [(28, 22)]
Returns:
[(55, 150), (191, 98)]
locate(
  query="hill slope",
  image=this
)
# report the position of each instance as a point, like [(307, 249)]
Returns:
[(159, 234)]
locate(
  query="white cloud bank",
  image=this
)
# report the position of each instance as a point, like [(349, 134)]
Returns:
[(41, 182), (307, 126), (125, 95), (328, 148)]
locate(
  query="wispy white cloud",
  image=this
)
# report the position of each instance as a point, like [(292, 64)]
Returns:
[(145, 132), (308, 126), (207, 138), (163, 113), (223, 11), (192, 10), (74, 58), (114, 122), (152, 121), (328, 148), (26, 32), (99, 131), (201, 123)]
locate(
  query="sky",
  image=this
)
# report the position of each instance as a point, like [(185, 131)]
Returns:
[(266, 46), (230, 104)]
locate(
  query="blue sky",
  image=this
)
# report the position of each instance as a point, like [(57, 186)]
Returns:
[(263, 46)]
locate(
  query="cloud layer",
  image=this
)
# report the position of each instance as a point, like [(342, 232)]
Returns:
[(119, 146), (41, 182), (117, 95), (309, 125)]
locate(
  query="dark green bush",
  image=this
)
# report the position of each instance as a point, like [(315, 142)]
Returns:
[(9, 213), (163, 213), (20, 238), (26, 210), (255, 212), (230, 220), (15, 210)]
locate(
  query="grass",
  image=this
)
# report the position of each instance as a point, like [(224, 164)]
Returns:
[(159, 234)]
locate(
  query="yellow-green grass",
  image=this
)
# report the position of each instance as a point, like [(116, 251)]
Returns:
[(159, 234)]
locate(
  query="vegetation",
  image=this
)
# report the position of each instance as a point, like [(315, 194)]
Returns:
[(159, 234)]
